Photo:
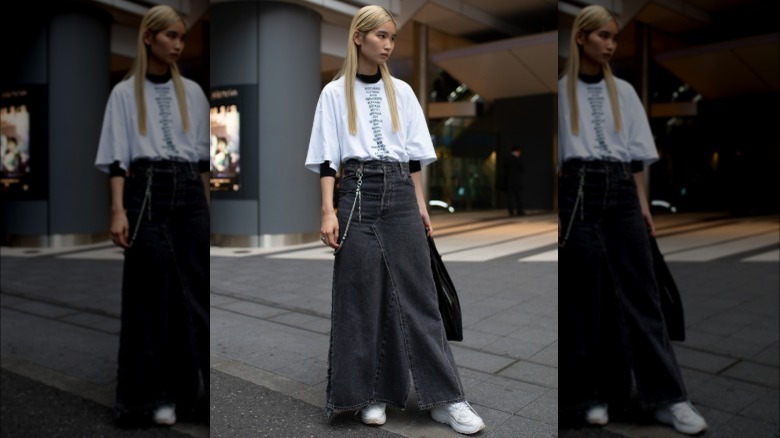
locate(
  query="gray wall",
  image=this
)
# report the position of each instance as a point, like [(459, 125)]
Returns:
[(275, 47), (79, 83), (68, 52)]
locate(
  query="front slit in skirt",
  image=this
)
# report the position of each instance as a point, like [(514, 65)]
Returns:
[(385, 319)]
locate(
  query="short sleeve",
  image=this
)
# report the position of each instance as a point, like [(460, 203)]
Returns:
[(641, 144), (200, 121), (324, 140), (114, 140), (419, 145)]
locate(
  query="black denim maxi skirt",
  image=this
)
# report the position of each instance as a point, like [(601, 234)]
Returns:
[(164, 339), (385, 317), (612, 335)]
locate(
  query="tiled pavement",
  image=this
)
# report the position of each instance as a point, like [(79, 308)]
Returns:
[(270, 320)]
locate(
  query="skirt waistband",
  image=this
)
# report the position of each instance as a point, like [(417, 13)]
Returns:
[(383, 165), (162, 166), (596, 166)]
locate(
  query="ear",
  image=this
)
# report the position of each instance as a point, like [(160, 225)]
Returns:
[(148, 38), (580, 38), (357, 38)]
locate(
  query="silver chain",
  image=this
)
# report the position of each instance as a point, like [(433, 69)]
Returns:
[(580, 202), (147, 199), (359, 202)]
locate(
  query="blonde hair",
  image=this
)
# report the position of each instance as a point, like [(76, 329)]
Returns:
[(365, 20), (155, 20), (589, 19)]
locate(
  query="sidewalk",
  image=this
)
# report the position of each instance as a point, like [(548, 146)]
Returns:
[(271, 318), (270, 322)]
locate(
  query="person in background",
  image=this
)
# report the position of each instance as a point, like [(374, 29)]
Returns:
[(154, 145), (612, 334), (514, 167)]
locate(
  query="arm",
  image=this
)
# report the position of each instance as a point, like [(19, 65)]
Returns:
[(206, 178), (330, 223), (119, 225), (639, 177), (426, 219)]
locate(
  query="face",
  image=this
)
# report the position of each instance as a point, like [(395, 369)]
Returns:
[(166, 46), (376, 46), (599, 45)]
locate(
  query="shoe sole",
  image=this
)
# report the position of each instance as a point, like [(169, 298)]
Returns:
[(457, 427), (597, 421), (374, 421), (679, 428)]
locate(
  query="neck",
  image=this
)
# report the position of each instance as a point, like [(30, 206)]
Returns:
[(367, 68), (589, 67), (158, 68)]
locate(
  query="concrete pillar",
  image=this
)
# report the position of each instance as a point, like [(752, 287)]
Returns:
[(420, 80), (269, 52), (66, 70)]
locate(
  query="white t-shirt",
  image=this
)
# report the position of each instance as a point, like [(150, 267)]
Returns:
[(597, 139), (375, 139), (165, 137)]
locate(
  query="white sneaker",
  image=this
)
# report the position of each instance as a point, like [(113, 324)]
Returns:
[(165, 415), (597, 415), (374, 414), (460, 416), (683, 417)]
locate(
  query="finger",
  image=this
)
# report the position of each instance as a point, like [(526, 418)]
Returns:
[(122, 241)]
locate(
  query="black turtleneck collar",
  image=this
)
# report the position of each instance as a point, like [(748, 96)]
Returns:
[(370, 79), (592, 79), (159, 79)]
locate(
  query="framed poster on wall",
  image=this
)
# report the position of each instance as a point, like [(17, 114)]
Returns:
[(226, 140), (23, 138)]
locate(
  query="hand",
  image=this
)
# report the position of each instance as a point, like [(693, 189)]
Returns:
[(426, 221), (120, 229), (648, 217), (329, 230)]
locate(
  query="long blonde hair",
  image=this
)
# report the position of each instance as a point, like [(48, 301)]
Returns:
[(156, 19), (365, 20), (589, 19)]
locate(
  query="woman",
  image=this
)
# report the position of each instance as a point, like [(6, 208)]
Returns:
[(154, 145), (612, 328), (385, 318)]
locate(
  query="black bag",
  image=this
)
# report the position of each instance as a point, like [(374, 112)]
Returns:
[(449, 305), (671, 304)]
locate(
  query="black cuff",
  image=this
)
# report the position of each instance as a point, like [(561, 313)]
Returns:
[(637, 166), (414, 166), (114, 169), (326, 170), (204, 166)]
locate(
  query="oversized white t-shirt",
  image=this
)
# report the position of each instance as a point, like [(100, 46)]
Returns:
[(597, 139), (375, 139), (165, 137)]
